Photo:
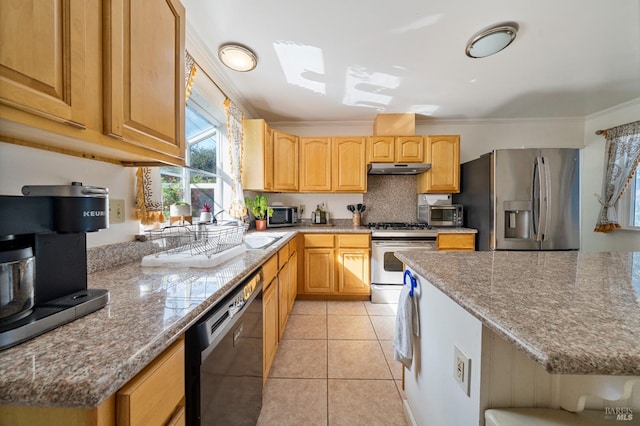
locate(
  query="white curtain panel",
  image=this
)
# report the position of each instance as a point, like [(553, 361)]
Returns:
[(622, 154)]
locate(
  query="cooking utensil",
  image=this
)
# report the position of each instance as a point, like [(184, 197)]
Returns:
[(17, 269), (351, 208), (358, 208)]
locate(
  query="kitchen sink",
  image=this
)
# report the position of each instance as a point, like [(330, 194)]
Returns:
[(260, 241)]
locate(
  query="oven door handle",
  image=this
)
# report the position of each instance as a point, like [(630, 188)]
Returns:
[(404, 243)]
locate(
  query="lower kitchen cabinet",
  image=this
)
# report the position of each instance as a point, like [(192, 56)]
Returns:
[(153, 397), (337, 265), (270, 322), (456, 241)]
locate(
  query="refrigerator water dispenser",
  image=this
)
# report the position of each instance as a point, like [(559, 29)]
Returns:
[(517, 219)]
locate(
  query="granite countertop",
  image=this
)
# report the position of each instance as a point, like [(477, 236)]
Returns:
[(572, 312), (82, 363)]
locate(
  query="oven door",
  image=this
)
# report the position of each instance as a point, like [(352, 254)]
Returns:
[(385, 267)]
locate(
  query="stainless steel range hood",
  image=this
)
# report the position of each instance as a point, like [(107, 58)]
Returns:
[(398, 168)]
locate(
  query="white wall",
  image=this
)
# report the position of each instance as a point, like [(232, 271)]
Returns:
[(592, 174), (21, 165)]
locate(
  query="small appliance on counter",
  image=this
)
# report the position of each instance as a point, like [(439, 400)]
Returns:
[(441, 214), (282, 216), (43, 259)]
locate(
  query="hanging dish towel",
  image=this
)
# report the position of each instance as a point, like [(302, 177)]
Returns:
[(407, 325), (149, 195)]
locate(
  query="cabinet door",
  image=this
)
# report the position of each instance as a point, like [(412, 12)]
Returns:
[(349, 164), (353, 271), (443, 152), (315, 164), (257, 167), (409, 149), (381, 149), (283, 298), (144, 73), (42, 59), (293, 279), (285, 157), (270, 326), (319, 270)]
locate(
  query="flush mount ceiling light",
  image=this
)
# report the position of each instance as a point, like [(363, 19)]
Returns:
[(237, 57), (491, 40)]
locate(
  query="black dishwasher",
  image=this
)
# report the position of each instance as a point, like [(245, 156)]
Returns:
[(223, 370)]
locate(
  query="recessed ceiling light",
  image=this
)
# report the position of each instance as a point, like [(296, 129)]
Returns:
[(237, 57), (491, 40)]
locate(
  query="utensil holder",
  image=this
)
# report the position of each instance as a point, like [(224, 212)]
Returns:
[(356, 219)]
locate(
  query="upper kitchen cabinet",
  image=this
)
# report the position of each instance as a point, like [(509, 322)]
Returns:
[(349, 164), (396, 149), (144, 73), (257, 168), (285, 156), (315, 164), (42, 59), (335, 164), (97, 79), (443, 152)]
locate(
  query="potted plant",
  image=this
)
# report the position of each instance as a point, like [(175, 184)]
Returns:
[(260, 209), (205, 213)]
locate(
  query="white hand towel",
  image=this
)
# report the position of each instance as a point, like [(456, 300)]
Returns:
[(406, 326)]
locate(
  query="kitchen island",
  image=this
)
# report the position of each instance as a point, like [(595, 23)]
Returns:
[(541, 329)]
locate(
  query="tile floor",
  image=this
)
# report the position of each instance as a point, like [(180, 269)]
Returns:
[(334, 366)]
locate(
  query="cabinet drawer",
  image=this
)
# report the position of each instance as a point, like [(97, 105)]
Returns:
[(353, 240), (456, 242), (293, 246), (151, 398), (318, 240), (283, 256), (269, 270)]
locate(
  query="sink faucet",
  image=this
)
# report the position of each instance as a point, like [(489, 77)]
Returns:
[(213, 219)]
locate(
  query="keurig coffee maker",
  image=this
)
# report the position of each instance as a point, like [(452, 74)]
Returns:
[(43, 259)]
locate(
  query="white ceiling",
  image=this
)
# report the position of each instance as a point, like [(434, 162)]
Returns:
[(348, 60)]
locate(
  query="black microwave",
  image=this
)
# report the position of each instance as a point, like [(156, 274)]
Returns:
[(282, 216)]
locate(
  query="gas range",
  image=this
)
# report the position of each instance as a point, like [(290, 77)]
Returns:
[(401, 230)]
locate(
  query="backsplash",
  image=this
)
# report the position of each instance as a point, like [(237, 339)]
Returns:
[(391, 198)]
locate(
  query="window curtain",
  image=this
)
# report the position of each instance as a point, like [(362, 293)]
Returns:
[(235, 134), (189, 74), (622, 154), (149, 196)]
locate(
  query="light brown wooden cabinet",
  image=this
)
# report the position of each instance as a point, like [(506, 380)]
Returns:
[(42, 60), (443, 152), (456, 241), (100, 80), (257, 170), (155, 396), (270, 320), (349, 164), (315, 164), (333, 164), (396, 149), (336, 265), (143, 77), (285, 161)]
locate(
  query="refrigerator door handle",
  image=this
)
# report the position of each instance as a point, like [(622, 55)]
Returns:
[(545, 191), (535, 196)]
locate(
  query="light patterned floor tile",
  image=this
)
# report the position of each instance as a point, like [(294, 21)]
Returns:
[(384, 326), (306, 327), (346, 308), (387, 309), (294, 402), (357, 359), (309, 307), (300, 359), (365, 402), (350, 327)]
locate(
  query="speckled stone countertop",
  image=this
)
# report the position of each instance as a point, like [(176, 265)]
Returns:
[(82, 363), (572, 312)]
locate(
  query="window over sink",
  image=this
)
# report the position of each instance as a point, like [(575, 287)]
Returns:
[(202, 181), (629, 204)]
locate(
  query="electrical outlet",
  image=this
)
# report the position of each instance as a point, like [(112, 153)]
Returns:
[(116, 211), (301, 210), (461, 369)]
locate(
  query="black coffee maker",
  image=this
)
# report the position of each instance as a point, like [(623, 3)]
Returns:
[(43, 259)]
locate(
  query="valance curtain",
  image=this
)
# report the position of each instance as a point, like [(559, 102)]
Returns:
[(235, 134), (622, 154)]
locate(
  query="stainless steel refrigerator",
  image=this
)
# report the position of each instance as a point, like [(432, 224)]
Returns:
[(523, 199)]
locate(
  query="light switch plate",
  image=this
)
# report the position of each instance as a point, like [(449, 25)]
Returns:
[(116, 211), (461, 369)]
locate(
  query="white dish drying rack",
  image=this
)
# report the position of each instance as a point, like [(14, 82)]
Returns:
[(199, 239)]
